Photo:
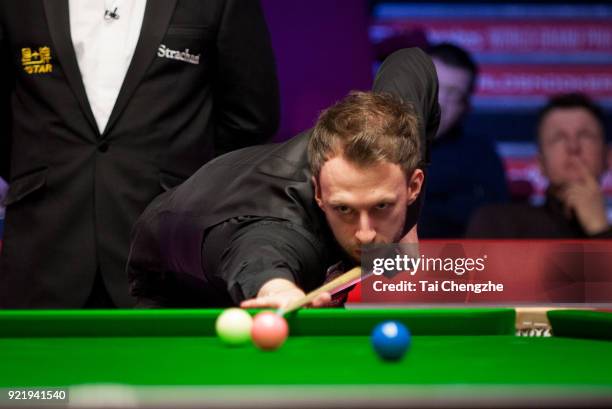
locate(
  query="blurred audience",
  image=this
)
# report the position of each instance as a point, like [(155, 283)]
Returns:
[(466, 171), (572, 155)]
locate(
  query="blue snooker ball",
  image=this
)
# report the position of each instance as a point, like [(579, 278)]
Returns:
[(391, 340)]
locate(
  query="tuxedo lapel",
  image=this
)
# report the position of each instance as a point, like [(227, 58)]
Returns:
[(158, 14), (58, 20)]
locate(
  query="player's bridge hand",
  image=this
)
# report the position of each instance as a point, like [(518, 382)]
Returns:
[(280, 293)]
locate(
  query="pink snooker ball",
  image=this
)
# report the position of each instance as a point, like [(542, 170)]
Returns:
[(269, 331)]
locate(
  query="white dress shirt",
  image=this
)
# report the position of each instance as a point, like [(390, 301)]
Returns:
[(104, 48)]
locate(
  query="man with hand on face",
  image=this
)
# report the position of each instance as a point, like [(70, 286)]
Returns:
[(261, 226), (572, 155)]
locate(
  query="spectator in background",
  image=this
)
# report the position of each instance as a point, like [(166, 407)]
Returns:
[(572, 155), (466, 171)]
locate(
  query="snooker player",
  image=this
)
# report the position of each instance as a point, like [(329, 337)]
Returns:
[(261, 226)]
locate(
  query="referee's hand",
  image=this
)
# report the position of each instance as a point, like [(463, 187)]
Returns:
[(279, 293)]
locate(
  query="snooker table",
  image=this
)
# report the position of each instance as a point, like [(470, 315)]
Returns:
[(171, 358)]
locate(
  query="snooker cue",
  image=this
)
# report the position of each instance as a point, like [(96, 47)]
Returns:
[(350, 277)]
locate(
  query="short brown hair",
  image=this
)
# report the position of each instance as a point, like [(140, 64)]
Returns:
[(571, 101), (367, 128)]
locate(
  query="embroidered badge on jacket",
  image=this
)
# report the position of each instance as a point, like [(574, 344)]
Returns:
[(36, 61)]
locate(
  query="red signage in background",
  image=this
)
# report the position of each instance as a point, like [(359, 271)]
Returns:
[(542, 80), (498, 36), (525, 52)]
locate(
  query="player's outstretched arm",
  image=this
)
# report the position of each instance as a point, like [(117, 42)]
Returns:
[(267, 258)]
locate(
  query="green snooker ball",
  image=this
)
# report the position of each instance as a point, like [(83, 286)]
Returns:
[(233, 326)]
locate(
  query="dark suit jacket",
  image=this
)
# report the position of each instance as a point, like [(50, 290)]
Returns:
[(266, 187), (285, 234), (523, 221), (75, 193)]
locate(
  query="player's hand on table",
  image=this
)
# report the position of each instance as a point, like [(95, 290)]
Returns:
[(585, 197), (278, 293)]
